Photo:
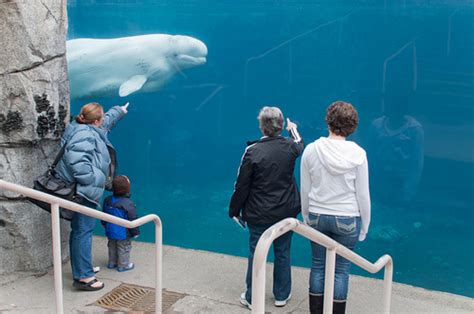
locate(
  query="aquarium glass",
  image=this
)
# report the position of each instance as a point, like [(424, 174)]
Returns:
[(407, 66)]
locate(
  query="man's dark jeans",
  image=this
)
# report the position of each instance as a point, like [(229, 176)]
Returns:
[(281, 267)]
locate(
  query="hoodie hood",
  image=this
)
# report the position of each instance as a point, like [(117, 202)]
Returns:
[(339, 156)]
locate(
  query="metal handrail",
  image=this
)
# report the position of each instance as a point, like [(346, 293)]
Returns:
[(332, 248), (57, 202)]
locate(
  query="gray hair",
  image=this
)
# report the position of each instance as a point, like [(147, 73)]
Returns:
[(271, 121)]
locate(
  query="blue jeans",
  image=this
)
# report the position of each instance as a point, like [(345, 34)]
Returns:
[(344, 230), (281, 267), (80, 243)]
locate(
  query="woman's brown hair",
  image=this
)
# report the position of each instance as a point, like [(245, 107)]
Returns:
[(89, 113), (342, 118)]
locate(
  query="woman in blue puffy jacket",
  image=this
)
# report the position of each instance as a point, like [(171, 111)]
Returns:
[(86, 161)]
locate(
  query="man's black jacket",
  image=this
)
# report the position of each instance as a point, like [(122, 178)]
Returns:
[(265, 189)]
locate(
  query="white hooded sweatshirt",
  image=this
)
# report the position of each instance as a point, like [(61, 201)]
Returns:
[(335, 181)]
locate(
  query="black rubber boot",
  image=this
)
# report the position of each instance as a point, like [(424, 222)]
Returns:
[(339, 307), (316, 304)]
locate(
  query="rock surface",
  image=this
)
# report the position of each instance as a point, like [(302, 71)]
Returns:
[(34, 109)]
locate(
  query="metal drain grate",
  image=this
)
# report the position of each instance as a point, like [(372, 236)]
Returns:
[(127, 297)]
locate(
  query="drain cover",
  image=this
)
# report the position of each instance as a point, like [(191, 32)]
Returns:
[(127, 297)]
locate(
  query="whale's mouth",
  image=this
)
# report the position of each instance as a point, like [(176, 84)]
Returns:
[(191, 60)]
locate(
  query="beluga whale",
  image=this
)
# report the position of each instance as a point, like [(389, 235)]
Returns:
[(126, 65)]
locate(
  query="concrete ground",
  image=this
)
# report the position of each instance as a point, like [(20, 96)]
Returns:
[(212, 283)]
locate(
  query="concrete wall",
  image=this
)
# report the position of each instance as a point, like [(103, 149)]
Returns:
[(34, 109)]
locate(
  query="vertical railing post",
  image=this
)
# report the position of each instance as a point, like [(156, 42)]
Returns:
[(58, 278), (329, 280), (387, 286), (159, 265), (259, 273)]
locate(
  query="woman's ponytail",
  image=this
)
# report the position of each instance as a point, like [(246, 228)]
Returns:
[(89, 113)]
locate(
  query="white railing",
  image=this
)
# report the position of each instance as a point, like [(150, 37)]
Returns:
[(57, 202), (332, 248)]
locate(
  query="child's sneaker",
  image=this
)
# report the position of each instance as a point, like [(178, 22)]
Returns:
[(111, 266), (130, 266)]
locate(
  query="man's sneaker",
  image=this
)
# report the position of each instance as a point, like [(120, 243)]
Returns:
[(283, 302), (244, 301)]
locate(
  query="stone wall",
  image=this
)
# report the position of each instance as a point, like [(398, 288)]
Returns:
[(34, 109)]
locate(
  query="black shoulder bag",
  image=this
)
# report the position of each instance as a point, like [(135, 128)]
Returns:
[(49, 183), (112, 168)]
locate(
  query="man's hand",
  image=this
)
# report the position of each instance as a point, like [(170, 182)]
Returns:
[(290, 125), (124, 107)]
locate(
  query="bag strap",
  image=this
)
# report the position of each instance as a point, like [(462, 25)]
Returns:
[(58, 157)]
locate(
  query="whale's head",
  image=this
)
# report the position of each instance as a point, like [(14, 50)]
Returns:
[(98, 67), (186, 52)]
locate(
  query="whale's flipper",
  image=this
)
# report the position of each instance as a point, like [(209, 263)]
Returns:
[(133, 84)]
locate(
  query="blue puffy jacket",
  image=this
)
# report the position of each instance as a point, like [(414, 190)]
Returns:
[(122, 207), (86, 158)]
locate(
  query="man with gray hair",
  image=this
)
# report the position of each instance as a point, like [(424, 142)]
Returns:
[(265, 193)]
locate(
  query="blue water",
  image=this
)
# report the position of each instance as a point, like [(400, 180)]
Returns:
[(407, 66)]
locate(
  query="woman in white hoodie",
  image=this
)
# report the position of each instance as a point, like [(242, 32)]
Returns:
[(335, 199)]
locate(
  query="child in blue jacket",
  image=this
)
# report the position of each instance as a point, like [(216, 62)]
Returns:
[(120, 205)]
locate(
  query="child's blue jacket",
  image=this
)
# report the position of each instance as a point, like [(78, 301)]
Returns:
[(122, 207)]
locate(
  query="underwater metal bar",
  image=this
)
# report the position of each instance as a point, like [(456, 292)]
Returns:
[(57, 202), (332, 247)]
